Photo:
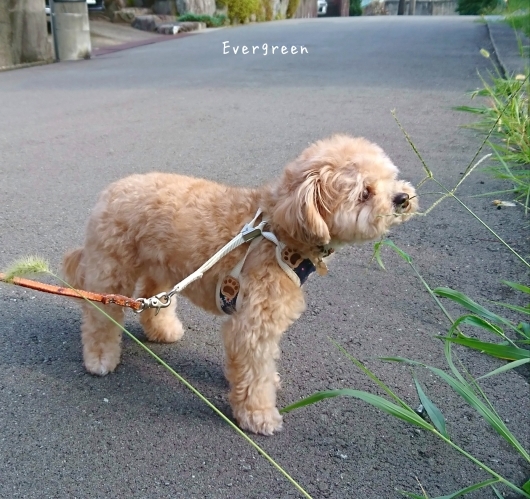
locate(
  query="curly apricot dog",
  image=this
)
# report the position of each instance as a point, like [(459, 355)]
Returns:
[(148, 232)]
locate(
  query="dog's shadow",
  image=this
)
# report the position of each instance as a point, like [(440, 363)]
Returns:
[(45, 342)]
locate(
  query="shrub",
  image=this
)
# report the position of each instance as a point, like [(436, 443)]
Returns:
[(210, 21), (475, 7), (355, 8), (241, 10), (291, 8)]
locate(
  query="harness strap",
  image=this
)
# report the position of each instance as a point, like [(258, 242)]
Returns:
[(228, 290)]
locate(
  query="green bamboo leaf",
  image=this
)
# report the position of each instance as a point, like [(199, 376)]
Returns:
[(372, 376), (497, 493), (524, 328), (519, 287), (407, 415), (469, 109), (468, 303), (505, 352), (471, 488), (435, 415), (491, 418), (526, 486), (399, 251), (401, 359), (507, 367), (414, 496), (377, 254), (475, 320), (516, 308)]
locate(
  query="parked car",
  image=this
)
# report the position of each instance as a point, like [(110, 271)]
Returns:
[(322, 6), (91, 4)]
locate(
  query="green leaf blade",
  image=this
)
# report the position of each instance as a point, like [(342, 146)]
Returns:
[(435, 415), (505, 352), (506, 367), (471, 488), (469, 304), (517, 286), (491, 418), (407, 415)]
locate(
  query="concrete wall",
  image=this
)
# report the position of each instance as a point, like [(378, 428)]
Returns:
[(23, 33), (425, 7)]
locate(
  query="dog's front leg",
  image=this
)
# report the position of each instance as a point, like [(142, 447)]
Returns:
[(251, 351)]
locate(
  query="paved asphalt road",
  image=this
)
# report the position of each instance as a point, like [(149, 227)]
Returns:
[(69, 129)]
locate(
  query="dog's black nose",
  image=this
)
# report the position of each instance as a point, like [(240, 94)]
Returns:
[(401, 199)]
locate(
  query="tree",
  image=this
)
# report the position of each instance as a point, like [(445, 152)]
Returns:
[(355, 8), (475, 7)]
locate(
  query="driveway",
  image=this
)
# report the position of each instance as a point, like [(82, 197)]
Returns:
[(69, 129)]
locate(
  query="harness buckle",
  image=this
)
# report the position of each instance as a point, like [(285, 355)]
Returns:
[(249, 233)]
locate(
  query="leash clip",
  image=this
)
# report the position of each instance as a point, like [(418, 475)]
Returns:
[(161, 300)]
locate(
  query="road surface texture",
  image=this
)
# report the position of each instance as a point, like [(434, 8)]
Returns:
[(69, 129)]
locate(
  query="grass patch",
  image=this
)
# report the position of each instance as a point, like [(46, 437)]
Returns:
[(505, 120), (517, 15)]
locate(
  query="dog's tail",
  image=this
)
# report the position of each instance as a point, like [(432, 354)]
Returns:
[(73, 268)]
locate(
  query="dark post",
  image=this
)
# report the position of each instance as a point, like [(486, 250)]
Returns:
[(401, 7)]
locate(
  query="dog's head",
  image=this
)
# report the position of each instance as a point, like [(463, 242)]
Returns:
[(338, 191)]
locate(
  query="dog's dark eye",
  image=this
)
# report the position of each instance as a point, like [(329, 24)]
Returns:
[(365, 194)]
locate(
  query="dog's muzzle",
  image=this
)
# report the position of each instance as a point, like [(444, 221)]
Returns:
[(401, 201)]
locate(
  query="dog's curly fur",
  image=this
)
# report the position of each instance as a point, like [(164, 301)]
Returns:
[(148, 232)]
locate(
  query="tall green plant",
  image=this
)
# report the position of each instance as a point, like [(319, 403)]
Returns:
[(505, 118), (436, 423)]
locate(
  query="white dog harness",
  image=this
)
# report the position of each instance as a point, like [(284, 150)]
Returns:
[(298, 269), (228, 287)]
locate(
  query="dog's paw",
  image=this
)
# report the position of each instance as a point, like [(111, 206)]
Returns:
[(277, 381), (167, 332), (163, 329), (265, 421), (101, 365)]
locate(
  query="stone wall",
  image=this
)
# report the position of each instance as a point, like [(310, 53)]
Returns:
[(425, 7)]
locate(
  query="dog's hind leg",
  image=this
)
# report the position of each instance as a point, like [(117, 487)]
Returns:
[(164, 327), (100, 336)]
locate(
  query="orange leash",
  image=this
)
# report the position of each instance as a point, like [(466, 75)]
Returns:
[(122, 301)]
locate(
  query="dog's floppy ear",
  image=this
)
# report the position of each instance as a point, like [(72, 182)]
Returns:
[(301, 201)]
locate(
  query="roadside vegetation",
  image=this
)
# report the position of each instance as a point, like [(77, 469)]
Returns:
[(504, 119), (505, 125), (516, 12)]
